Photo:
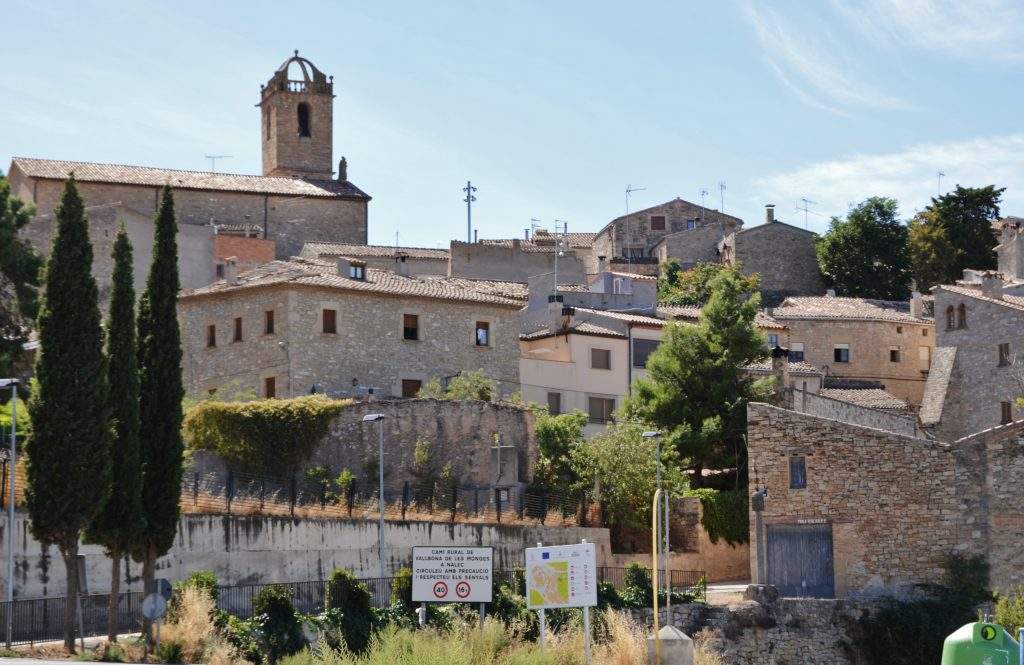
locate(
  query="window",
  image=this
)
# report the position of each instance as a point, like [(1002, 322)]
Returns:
[(410, 327), (330, 318), (773, 341), (220, 271), (303, 113), (841, 353), (600, 409), (483, 333), (554, 403), (238, 330), (950, 318), (691, 224), (658, 223), (411, 387), (642, 349), (1005, 413), (796, 351), (961, 316), (797, 473), (924, 332), (268, 322), (270, 387), (899, 330), (356, 271), (894, 354), (211, 336), (1004, 354), (600, 359)]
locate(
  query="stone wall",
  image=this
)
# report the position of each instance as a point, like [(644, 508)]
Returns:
[(784, 257), (634, 232), (260, 550), (699, 245), (368, 350), (511, 263), (832, 409)]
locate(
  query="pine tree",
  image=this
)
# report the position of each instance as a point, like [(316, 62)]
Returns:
[(119, 526), (160, 395), (69, 447)]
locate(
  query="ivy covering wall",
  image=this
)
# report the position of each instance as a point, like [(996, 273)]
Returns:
[(725, 514)]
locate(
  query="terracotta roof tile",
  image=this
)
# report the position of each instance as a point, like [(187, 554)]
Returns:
[(55, 169), (685, 313), (314, 250), (834, 307), (629, 317), (871, 398), (1013, 302), (799, 368), (578, 328)]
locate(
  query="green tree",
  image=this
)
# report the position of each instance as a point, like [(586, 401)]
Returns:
[(465, 385), (618, 468), (967, 214), (696, 388), (866, 254), (932, 255), (119, 526), (19, 277), (160, 395), (69, 448), (692, 288), (557, 436)]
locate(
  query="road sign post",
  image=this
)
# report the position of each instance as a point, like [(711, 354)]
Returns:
[(452, 575), (560, 576)]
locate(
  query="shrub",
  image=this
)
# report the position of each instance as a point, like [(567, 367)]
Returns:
[(966, 577), (636, 588), (724, 515), (204, 581), (401, 589), (353, 601), (169, 651), (1009, 611), (279, 626)]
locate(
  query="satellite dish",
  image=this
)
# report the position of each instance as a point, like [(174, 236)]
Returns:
[(154, 606)]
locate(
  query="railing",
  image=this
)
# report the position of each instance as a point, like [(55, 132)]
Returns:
[(42, 619)]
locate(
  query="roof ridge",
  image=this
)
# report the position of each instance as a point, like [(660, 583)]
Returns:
[(164, 168)]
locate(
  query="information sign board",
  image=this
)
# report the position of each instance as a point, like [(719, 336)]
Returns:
[(452, 574), (561, 576)]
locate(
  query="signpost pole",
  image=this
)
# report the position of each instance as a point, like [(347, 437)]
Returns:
[(481, 617), (540, 618), (586, 626), (422, 614)]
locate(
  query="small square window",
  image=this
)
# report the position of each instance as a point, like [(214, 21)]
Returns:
[(270, 387), (554, 403), (600, 359), (1004, 354), (410, 327), (1005, 413), (642, 350), (658, 222), (894, 354), (899, 330), (411, 387), (924, 332), (773, 341), (238, 330), (797, 473), (841, 353), (483, 333), (220, 271), (356, 271), (796, 351), (268, 322), (691, 224), (211, 336), (330, 318), (600, 409)]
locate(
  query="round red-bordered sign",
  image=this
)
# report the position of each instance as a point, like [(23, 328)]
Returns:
[(440, 589), (462, 589)]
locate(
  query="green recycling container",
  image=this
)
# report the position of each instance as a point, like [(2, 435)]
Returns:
[(980, 643)]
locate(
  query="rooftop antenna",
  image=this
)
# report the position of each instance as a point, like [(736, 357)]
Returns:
[(721, 193), (534, 225), (558, 248), (469, 189), (213, 161), (629, 190), (703, 195), (806, 209), (938, 178)]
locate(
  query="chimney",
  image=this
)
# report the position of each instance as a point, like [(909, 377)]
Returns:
[(343, 170), (476, 233), (992, 285), (526, 235), (780, 370), (831, 293), (559, 316), (769, 213), (916, 305), (401, 265), (231, 270), (602, 264), (517, 244)]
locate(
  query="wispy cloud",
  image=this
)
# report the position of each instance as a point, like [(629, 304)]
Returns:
[(818, 76), (986, 29), (909, 176)]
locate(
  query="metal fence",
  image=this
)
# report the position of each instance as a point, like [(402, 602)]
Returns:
[(42, 619)]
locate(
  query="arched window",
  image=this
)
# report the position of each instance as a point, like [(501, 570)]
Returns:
[(950, 318), (961, 316), (304, 119)]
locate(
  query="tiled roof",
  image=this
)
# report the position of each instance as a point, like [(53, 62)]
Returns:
[(513, 290), (834, 307), (574, 241), (679, 201), (634, 275), (871, 398), (313, 250), (799, 368), (1013, 302), (776, 224), (309, 272), (578, 328), (682, 313), (629, 317), (55, 169), (937, 385)]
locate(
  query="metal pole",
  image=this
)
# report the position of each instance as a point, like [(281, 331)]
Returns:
[(10, 513), (540, 617), (586, 627), (655, 544), (481, 617), (668, 579), (380, 478)]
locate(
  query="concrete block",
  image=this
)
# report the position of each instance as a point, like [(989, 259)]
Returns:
[(676, 647)]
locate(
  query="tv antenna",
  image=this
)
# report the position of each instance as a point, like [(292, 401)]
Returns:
[(721, 193), (469, 189), (629, 190), (938, 182), (558, 246), (703, 195), (213, 161), (806, 209)]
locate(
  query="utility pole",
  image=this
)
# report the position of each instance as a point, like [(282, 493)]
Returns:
[(469, 189), (213, 161), (721, 193), (12, 463)]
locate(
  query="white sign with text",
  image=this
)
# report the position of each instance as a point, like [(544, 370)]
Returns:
[(561, 576), (452, 574)]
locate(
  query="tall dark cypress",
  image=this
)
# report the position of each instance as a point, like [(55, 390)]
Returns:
[(69, 447), (160, 395), (120, 525)]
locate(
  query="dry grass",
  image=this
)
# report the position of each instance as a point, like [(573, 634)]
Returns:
[(703, 653), (193, 629)]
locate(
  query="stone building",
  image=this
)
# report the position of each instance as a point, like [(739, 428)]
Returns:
[(881, 341), (293, 327), (692, 246), (629, 242), (409, 261), (515, 260), (783, 255), (854, 510), (297, 199)]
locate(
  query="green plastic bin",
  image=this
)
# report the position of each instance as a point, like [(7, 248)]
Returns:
[(980, 643)]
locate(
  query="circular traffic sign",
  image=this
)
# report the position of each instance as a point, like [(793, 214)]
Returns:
[(462, 589), (440, 589), (164, 588), (153, 606)]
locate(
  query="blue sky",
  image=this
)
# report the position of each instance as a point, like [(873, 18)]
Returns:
[(551, 108)]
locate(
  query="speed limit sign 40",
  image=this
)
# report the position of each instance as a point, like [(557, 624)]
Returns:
[(440, 590)]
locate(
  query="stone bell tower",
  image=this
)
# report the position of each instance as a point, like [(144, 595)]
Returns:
[(297, 109)]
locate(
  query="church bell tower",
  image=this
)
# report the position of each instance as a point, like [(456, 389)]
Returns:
[(297, 114)]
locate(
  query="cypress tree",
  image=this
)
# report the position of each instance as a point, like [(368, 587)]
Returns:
[(119, 526), (160, 395), (68, 449)]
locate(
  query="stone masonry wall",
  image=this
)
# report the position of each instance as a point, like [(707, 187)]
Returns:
[(825, 407), (634, 230), (783, 256), (699, 245), (511, 263), (368, 349)]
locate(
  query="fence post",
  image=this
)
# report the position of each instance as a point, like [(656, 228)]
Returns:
[(543, 506), (405, 497), (497, 503), (350, 495), (583, 510), (292, 491), (455, 499), (229, 490), (3, 495), (195, 489), (263, 492)]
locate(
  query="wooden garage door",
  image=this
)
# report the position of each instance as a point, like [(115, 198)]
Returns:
[(800, 560)]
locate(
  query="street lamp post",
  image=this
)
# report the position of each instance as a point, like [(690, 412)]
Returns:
[(664, 544), (379, 418), (13, 383)]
